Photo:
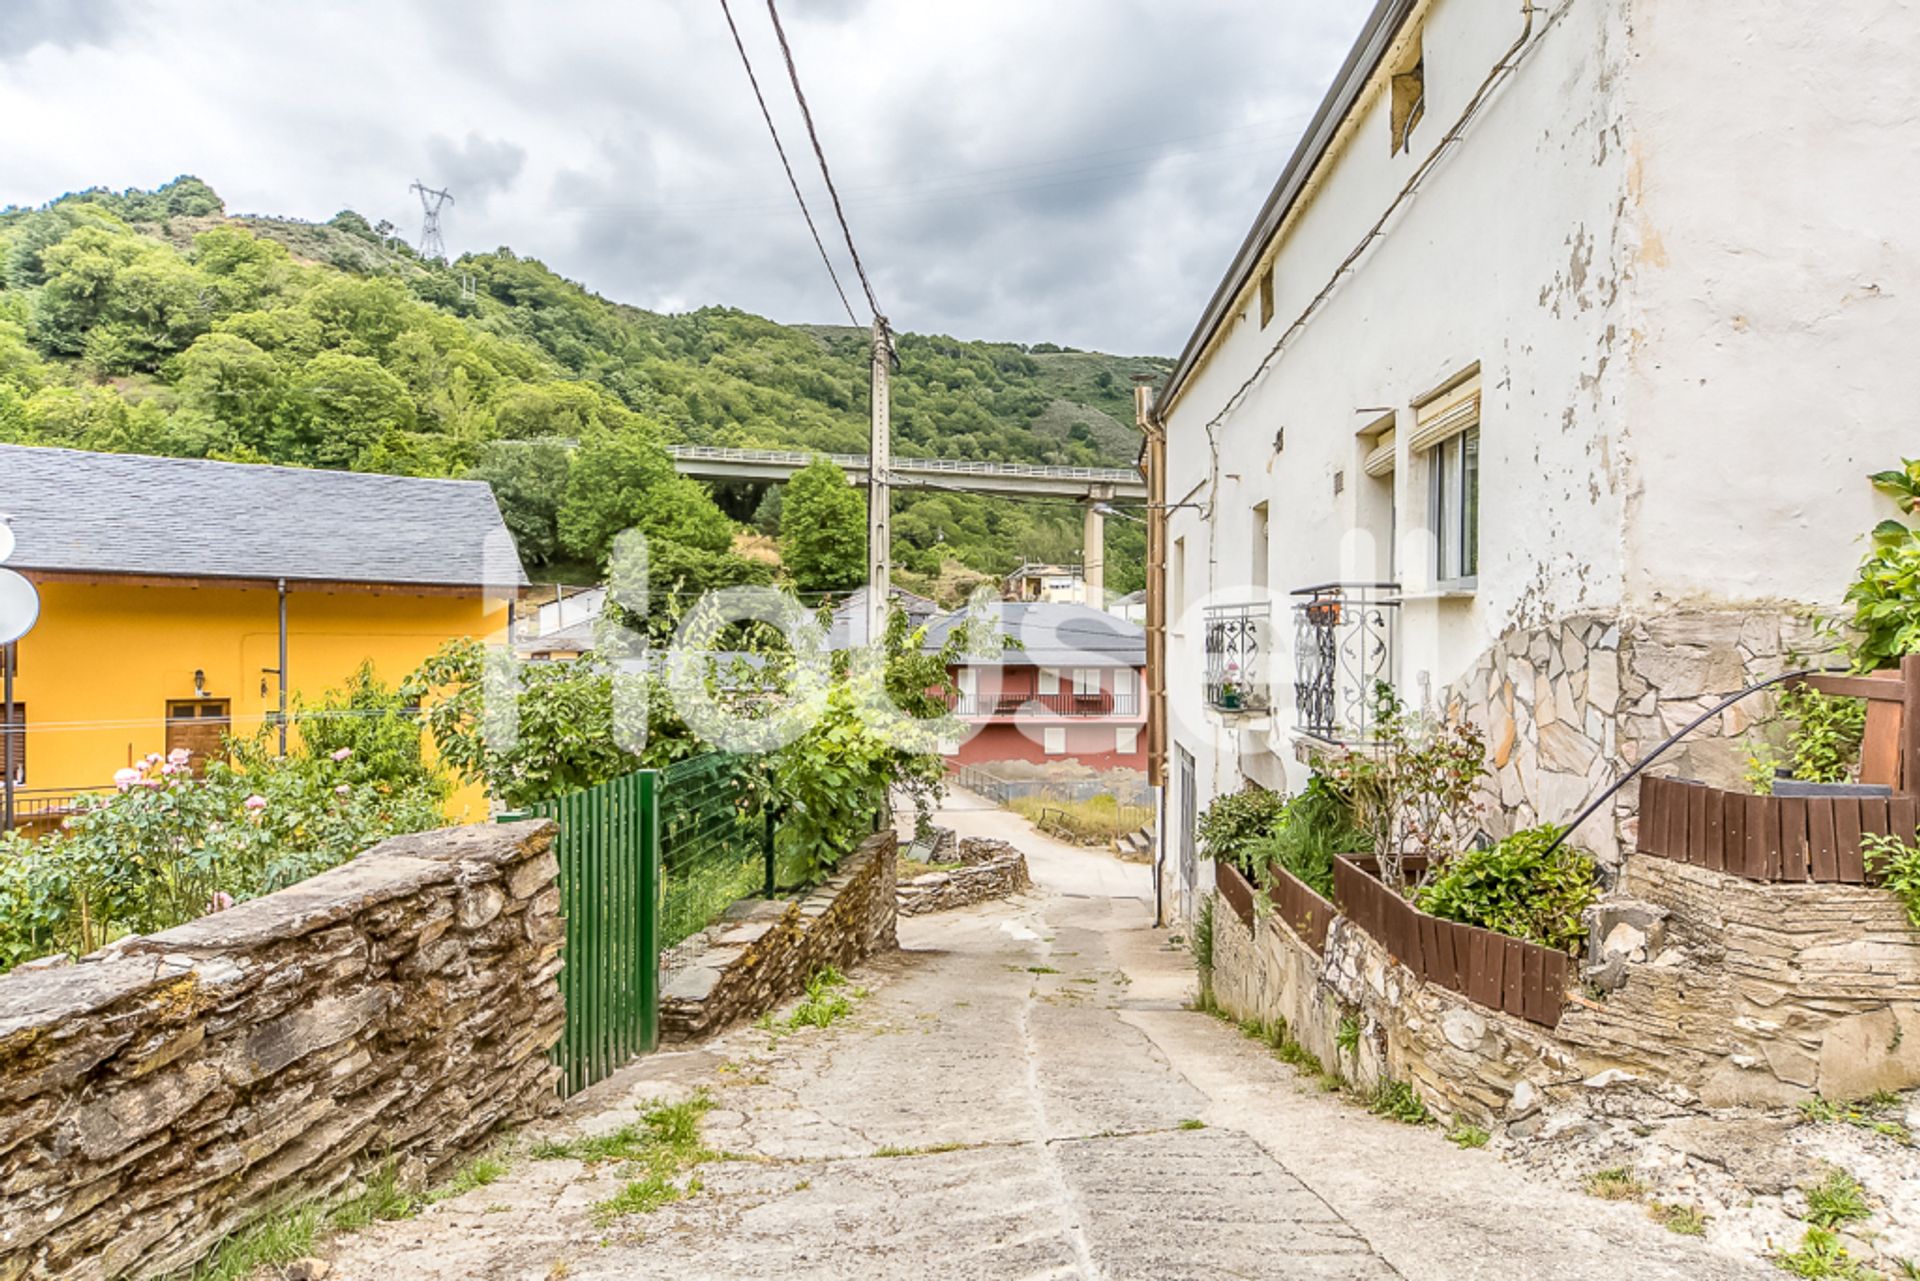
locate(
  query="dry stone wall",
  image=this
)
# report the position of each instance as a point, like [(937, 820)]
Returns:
[(989, 869), (765, 950), (1724, 992), (160, 1094)]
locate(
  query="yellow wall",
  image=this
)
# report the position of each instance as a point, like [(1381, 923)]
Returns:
[(98, 669)]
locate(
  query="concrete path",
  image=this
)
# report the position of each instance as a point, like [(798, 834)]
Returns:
[(1022, 1093)]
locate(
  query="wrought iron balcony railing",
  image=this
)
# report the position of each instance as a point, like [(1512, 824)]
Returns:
[(1238, 639), (1342, 654)]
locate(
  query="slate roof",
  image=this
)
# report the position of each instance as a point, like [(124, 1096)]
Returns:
[(189, 518), (1054, 635)]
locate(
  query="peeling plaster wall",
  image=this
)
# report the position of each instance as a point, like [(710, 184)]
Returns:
[(1671, 241), (1511, 254), (1777, 289)]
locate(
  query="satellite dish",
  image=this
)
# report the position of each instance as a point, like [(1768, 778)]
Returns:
[(19, 603)]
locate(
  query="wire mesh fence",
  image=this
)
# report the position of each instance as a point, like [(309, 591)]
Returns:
[(714, 844)]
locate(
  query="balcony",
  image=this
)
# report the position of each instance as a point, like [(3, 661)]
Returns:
[(43, 809), (1238, 639), (1342, 655), (1006, 706)]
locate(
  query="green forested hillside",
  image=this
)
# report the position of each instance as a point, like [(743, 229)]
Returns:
[(152, 322)]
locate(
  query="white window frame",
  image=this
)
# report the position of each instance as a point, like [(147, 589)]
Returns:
[(1125, 682), (1086, 681), (1453, 510), (1126, 740), (1053, 740), (1049, 680)]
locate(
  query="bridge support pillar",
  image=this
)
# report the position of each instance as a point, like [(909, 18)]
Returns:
[(1093, 553)]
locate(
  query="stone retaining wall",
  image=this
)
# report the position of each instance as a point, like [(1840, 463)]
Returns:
[(1724, 992), (166, 1091), (765, 950), (990, 869)]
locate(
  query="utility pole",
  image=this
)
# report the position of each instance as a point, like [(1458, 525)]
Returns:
[(431, 244), (879, 496)]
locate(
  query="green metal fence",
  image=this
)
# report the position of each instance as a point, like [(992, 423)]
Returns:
[(715, 844), (609, 847)]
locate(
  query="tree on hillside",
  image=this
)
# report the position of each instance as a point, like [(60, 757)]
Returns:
[(529, 480), (823, 529)]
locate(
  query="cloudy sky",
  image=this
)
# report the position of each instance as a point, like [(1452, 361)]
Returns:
[(1076, 171)]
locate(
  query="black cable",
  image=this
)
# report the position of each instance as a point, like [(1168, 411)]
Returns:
[(791, 180), (806, 114)]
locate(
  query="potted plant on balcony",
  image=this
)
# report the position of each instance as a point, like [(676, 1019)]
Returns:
[(1229, 695)]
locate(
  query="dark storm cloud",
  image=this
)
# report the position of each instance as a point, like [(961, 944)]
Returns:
[(1078, 171)]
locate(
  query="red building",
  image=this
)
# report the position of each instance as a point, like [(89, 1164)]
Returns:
[(1071, 687)]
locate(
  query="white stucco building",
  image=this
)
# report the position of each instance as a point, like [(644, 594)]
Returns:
[(1577, 328)]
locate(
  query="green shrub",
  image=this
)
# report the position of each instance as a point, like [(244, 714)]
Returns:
[(1896, 863), (1315, 826), (1518, 889), (1397, 1101), (1823, 739), (1837, 1199), (1233, 822)]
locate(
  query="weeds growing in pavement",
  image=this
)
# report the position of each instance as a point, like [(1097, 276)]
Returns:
[(1687, 1220), (1836, 1199), (1874, 1113), (1193, 1123), (1822, 1256), (1463, 1135), (1397, 1101), (653, 1151), (1615, 1184)]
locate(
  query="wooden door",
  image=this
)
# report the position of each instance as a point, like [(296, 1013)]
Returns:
[(199, 725)]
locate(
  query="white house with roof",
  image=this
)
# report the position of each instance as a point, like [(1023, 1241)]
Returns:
[(1543, 388)]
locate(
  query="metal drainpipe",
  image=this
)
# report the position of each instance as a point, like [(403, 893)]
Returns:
[(282, 586)]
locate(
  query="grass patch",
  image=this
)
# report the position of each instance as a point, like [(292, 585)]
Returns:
[(1347, 1037), (1041, 969), (477, 1173), (1193, 1123), (1687, 1220), (280, 1238), (1468, 1136), (1615, 1184), (663, 1144), (1397, 1101), (824, 1003), (1875, 1113), (1836, 1199), (1097, 820), (1822, 1256)]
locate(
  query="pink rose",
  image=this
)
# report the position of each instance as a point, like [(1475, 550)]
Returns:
[(220, 901), (343, 754), (343, 790), (125, 778), (255, 803), (154, 758), (179, 756)]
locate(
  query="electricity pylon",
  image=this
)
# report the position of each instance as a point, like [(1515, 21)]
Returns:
[(431, 243)]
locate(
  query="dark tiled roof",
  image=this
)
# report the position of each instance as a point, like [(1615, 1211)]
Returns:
[(189, 518), (1055, 635)]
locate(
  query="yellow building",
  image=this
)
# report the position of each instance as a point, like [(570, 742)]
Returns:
[(181, 599)]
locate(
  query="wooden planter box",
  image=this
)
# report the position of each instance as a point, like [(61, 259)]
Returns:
[(1523, 979), (1767, 838), (1235, 890), (1296, 903)]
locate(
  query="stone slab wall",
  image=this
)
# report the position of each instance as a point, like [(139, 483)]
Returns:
[(1567, 706), (991, 870), (765, 950), (1744, 994), (166, 1091)]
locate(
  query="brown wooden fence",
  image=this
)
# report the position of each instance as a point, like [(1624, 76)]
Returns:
[(1501, 973), (1235, 890), (1300, 907), (1767, 838)]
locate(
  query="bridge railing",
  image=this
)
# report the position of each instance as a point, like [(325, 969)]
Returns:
[(858, 462)]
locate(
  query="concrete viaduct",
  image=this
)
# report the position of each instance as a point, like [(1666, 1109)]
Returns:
[(1090, 486)]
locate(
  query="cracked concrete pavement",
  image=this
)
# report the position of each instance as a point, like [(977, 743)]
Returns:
[(1023, 1093)]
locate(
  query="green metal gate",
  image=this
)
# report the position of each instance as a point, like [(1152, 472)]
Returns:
[(611, 891)]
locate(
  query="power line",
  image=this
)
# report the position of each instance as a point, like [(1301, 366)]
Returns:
[(791, 180), (806, 114)]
